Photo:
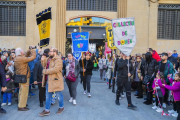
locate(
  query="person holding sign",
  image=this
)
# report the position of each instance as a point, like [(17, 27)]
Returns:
[(121, 66)]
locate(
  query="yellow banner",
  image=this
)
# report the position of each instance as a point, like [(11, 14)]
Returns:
[(109, 36)]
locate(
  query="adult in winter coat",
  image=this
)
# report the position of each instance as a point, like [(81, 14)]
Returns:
[(175, 54), (149, 70), (109, 71), (22, 68), (88, 67), (172, 59), (154, 54), (72, 67), (53, 70), (102, 67), (121, 66), (37, 77), (3, 83)]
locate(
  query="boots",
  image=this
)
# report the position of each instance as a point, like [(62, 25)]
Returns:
[(117, 100), (109, 83), (113, 86)]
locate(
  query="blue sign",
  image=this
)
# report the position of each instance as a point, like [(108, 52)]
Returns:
[(77, 55), (80, 41)]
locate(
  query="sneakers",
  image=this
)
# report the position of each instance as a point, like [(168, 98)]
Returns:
[(84, 93), (154, 107), (117, 102), (159, 110), (74, 102), (122, 96), (175, 114), (71, 100), (171, 111), (164, 105), (9, 104), (131, 106), (2, 110), (89, 95), (44, 113), (60, 110), (3, 104)]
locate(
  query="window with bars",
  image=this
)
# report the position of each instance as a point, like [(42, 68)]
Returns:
[(92, 5), (12, 19), (169, 22)]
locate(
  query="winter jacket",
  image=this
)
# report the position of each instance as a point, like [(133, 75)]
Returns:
[(160, 85), (88, 65), (121, 66), (76, 70), (55, 78), (156, 56), (141, 68), (21, 63), (3, 81), (101, 63), (173, 60), (109, 70), (168, 70), (37, 72), (175, 55), (10, 86), (150, 68), (176, 90)]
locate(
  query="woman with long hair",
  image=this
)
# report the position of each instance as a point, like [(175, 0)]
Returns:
[(71, 74), (87, 72)]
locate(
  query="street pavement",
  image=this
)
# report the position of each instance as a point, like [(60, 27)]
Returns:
[(101, 106)]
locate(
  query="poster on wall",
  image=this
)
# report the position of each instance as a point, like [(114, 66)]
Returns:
[(44, 24), (80, 41), (124, 34)]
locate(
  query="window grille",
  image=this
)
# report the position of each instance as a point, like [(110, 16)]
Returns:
[(168, 22), (92, 5), (12, 18)]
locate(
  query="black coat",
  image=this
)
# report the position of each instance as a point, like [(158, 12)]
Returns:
[(121, 67), (150, 68), (37, 72), (10, 86), (2, 76), (88, 65)]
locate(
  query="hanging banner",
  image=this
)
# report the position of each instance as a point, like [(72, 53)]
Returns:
[(109, 36), (80, 41), (44, 24), (124, 34), (92, 48), (77, 55)]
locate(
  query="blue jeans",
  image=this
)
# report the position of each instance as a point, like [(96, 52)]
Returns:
[(49, 98), (7, 96), (30, 82)]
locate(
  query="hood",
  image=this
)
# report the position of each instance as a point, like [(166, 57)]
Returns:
[(154, 52)]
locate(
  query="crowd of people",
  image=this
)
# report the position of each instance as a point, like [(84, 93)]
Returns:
[(155, 77)]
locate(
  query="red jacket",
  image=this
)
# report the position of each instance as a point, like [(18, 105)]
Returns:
[(156, 56)]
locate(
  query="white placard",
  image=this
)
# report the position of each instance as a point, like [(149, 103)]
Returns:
[(124, 34)]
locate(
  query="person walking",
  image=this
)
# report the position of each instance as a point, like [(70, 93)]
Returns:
[(54, 82), (87, 73), (3, 83), (121, 66), (71, 74), (102, 67), (22, 68), (109, 71)]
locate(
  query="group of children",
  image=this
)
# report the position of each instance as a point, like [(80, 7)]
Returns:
[(159, 86)]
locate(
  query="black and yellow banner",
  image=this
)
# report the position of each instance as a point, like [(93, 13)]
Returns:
[(44, 24), (109, 36)]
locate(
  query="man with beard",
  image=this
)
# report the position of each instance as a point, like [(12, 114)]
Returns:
[(52, 76), (121, 66), (166, 67)]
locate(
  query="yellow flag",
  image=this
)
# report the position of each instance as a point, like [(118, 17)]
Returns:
[(109, 36)]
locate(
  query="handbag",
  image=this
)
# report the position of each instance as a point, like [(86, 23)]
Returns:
[(95, 65), (21, 78), (146, 79), (71, 77)]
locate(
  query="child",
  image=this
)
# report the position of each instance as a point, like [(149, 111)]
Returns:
[(160, 90), (175, 88), (10, 87)]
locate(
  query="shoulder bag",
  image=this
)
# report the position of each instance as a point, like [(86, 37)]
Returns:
[(21, 78)]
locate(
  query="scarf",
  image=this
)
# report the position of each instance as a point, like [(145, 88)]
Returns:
[(71, 66), (46, 76), (8, 79)]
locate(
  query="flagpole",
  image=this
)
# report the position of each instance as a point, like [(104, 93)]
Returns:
[(128, 71)]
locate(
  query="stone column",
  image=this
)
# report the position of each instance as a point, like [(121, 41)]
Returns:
[(61, 26), (121, 12)]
